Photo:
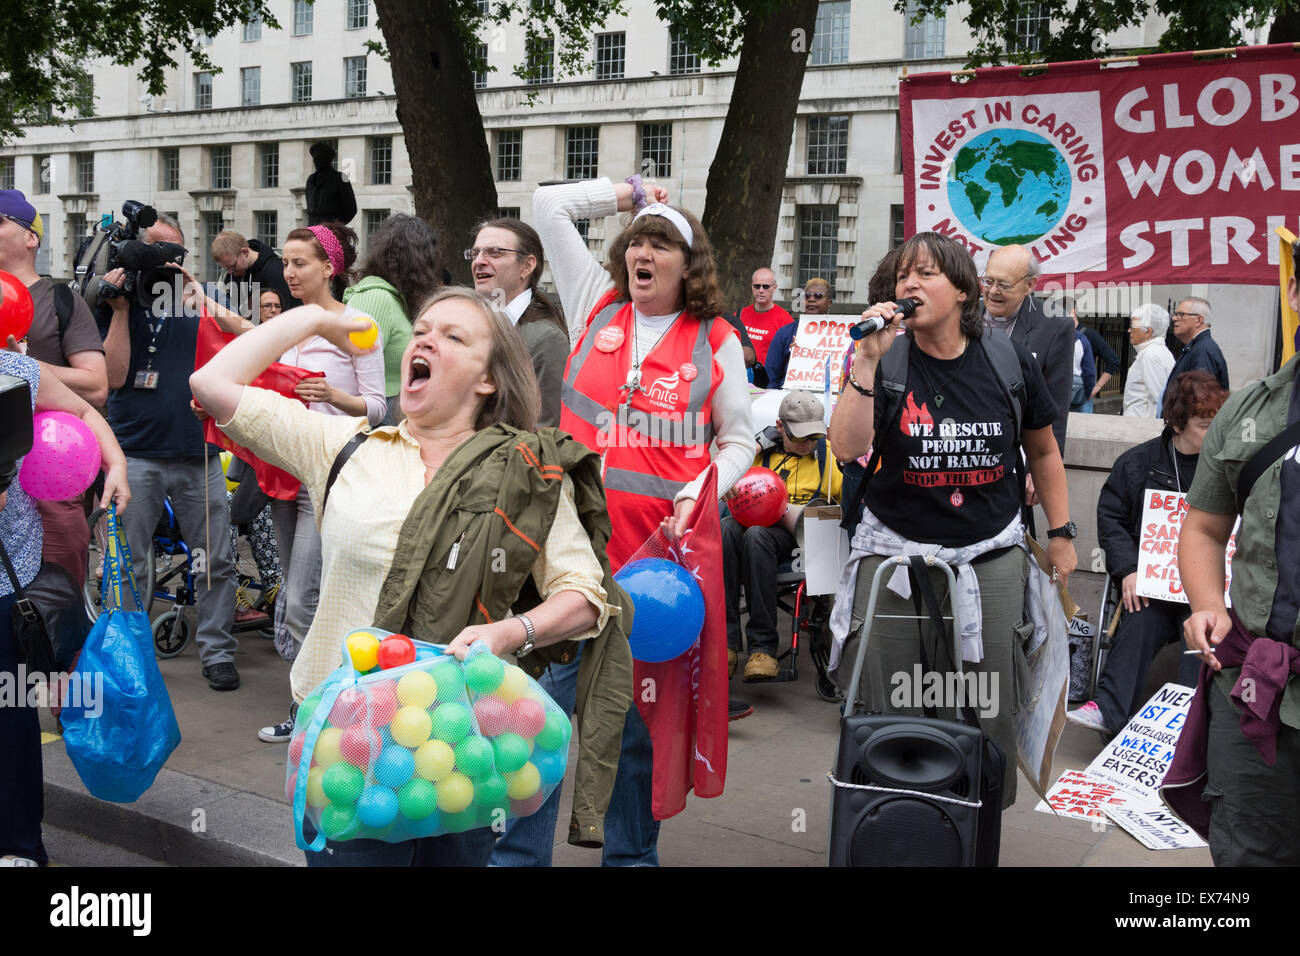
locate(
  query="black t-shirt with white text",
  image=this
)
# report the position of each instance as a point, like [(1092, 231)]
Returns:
[(947, 469)]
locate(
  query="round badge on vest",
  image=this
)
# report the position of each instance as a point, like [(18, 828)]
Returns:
[(688, 371), (957, 499), (609, 338)]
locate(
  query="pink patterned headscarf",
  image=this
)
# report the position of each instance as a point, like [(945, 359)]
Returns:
[(333, 248)]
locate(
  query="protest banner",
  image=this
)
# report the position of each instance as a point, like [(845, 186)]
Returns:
[(819, 348), (1138, 756), (1153, 825), (1077, 795), (1157, 571), (1148, 170)]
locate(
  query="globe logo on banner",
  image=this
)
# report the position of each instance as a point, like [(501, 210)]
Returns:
[(1009, 186)]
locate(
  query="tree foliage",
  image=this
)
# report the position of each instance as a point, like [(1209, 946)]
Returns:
[(1077, 29)]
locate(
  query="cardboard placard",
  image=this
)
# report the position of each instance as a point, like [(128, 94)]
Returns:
[(825, 548), (1162, 522)]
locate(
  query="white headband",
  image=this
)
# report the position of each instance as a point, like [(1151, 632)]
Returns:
[(672, 215)]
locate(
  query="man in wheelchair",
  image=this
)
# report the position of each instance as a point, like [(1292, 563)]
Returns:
[(1165, 464), (795, 448)]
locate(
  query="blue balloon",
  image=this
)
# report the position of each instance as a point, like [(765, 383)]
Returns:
[(377, 807), (395, 766), (669, 608), (550, 765)]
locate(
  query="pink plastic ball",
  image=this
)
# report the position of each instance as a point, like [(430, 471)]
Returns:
[(527, 717), (64, 459), (493, 716)]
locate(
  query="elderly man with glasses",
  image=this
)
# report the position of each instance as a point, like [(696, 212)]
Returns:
[(1191, 320), (816, 301), (1009, 278), (1149, 372)]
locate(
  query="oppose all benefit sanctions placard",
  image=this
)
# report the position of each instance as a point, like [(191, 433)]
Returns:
[(1162, 521)]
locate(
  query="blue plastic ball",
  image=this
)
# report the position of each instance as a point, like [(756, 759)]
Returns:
[(550, 765), (669, 608), (377, 807), (395, 766)]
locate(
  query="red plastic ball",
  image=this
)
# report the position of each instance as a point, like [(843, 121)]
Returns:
[(349, 707), (395, 651), (492, 714), (758, 499), (527, 717), (383, 703), (16, 308), (295, 748), (359, 745)]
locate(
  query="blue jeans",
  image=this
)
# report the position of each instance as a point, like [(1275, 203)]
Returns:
[(529, 841), (631, 831), (471, 848)]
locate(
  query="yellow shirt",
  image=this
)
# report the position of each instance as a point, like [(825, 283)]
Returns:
[(371, 498), (803, 479)]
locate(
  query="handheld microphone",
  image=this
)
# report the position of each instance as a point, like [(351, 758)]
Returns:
[(874, 324)]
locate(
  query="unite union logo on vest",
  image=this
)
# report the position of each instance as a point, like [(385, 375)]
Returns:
[(663, 390)]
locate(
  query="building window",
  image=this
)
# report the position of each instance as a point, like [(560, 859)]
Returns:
[(819, 228), (85, 172), (611, 55), (507, 212), (267, 227), (354, 76), (581, 145), (203, 91), (302, 13), (831, 34), (250, 86), (253, 27), (924, 40), (897, 227), (84, 98), (484, 7), (656, 149), (480, 76), (7, 175), (381, 160), (300, 82), (171, 169), (584, 228), (1028, 29), (269, 166), (680, 58), (358, 14), (828, 145), (220, 160), (75, 229), (43, 173), (510, 150), (541, 60), (212, 226), (374, 218)]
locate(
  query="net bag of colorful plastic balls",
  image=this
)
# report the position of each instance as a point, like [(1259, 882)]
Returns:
[(404, 741)]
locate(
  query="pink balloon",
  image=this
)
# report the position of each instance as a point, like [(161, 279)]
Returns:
[(64, 459)]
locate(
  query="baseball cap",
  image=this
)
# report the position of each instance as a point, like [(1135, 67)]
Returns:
[(803, 414), (14, 205)]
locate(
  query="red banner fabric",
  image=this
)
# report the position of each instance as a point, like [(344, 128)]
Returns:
[(684, 701), (279, 378), (1167, 169)]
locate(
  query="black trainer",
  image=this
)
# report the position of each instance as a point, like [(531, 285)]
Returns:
[(222, 676), (738, 709), (281, 732)]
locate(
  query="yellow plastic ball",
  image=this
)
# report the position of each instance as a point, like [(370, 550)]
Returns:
[(455, 793), (363, 648), (327, 752), (434, 760), (411, 726), (367, 338), (315, 791), (416, 689), (523, 783), (513, 685)]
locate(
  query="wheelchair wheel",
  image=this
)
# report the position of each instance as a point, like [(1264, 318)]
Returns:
[(171, 633), (98, 521)]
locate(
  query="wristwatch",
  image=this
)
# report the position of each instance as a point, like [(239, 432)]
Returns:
[(526, 647), (1067, 530)]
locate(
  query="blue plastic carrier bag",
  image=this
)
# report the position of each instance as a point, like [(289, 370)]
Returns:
[(422, 749), (119, 746)]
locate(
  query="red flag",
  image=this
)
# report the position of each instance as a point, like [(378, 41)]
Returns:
[(687, 712), (279, 378)]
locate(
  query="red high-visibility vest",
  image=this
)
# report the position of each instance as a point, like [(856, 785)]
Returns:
[(656, 444)]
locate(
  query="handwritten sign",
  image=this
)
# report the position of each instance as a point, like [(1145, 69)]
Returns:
[(1154, 826), (1162, 521), (820, 345), (1079, 796), (1138, 756)]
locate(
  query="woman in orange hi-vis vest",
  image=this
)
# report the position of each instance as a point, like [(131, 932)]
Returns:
[(655, 378)]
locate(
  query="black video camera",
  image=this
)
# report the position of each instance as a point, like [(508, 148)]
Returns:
[(16, 438), (115, 245)]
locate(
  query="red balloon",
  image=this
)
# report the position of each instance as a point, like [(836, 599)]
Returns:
[(395, 651), (759, 498), (15, 308)]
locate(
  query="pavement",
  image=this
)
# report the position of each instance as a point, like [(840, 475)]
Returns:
[(220, 800)]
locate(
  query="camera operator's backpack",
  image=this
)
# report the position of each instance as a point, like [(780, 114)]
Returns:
[(90, 263)]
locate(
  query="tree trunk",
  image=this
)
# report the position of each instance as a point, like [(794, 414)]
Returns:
[(1286, 27), (743, 207), (451, 169)]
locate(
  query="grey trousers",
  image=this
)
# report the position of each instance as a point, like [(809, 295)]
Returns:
[(894, 648), (299, 543), (208, 528)]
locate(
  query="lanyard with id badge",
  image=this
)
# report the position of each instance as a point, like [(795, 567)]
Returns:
[(146, 379)]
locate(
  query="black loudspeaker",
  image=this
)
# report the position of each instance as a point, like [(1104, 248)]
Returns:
[(938, 823)]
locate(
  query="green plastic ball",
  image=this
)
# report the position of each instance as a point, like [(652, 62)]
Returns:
[(483, 673), (460, 822), (491, 791), (450, 681), (451, 722), (343, 783), (554, 734), (474, 757), (339, 821), (417, 798), (511, 752), (305, 710)]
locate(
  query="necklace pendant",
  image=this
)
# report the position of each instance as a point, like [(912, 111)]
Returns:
[(938, 401), (634, 378)]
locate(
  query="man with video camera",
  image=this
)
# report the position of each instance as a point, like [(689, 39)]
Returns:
[(149, 345)]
